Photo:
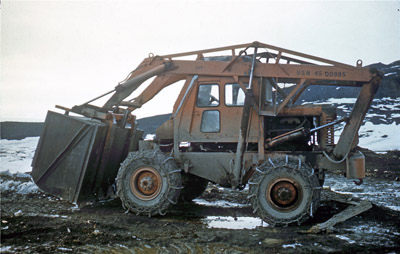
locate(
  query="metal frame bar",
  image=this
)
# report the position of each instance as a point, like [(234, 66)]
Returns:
[(290, 95), (259, 45)]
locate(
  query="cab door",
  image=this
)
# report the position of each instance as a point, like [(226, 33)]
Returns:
[(213, 112)]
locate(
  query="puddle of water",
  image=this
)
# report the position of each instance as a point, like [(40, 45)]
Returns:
[(229, 222), (219, 203)]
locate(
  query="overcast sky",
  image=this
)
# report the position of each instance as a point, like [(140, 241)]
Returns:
[(67, 52)]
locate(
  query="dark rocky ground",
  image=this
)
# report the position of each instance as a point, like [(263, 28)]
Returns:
[(382, 166), (40, 223)]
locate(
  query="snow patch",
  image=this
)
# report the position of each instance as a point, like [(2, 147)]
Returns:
[(345, 238), (386, 107), (373, 232), (229, 222), (341, 100), (219, 203), (5, 248), (22, 188), (150, 137), (16, 155), (333, 101), (375, 115), (64, 249), (376, 137), (26, 188), (391, 73), (55, 216), (379, 192), (380, 137), (293, 245)]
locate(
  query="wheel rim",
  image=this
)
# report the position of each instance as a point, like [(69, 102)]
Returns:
[(284, 194), (146, 183)]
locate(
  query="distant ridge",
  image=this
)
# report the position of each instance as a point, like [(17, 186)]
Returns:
[(21, 130)]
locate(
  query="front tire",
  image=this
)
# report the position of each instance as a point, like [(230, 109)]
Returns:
[(148, 182), (284, 191)]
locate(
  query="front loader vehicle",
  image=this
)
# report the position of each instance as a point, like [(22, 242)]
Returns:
[(236, 122)]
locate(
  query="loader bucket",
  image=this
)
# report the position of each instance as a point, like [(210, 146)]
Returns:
[(78, 158)]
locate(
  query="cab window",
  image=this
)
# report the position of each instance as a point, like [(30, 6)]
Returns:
[(210, 121), (208, 95), (234, 95)]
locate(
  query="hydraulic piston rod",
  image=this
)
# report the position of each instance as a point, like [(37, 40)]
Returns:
[(125, 89), (297, 133), (241, 145)]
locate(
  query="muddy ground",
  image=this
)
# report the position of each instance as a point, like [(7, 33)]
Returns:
[(220, 221)]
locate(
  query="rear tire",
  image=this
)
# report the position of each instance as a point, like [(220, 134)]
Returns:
[(284, 191), (148, 182)]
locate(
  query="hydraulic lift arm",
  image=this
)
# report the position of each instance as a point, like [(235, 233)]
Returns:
[(347, 140), (125, 89)]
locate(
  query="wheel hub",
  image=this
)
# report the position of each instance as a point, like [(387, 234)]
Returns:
[(146, 183), (283, 193)]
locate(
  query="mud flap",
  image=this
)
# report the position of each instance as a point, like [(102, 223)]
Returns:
[(78, 158)]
